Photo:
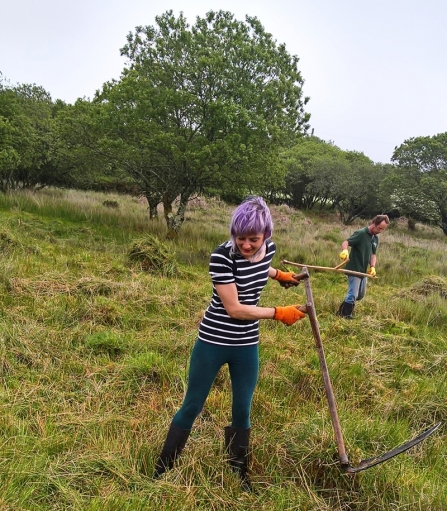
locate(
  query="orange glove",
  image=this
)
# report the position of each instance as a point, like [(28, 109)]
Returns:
[(289, 314), (286, 278), (372, 271)]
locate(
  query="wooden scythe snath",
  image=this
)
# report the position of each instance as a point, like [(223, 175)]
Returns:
[(328, 268), (344, 461)]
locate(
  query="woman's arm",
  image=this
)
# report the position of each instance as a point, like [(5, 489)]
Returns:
[(272, 272), (230, 300)]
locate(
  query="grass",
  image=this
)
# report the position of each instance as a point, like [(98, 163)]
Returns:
[(95, 342)]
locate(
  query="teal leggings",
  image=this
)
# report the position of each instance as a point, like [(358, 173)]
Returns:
[(206, 360)]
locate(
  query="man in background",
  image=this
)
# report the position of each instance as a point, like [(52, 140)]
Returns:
[(363, 243)]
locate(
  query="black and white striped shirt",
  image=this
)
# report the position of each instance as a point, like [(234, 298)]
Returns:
[(217, 326)]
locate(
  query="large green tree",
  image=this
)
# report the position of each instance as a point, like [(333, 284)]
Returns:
[(26, 115), (307, 164), (420, 179), (319, 173), (203, 107), (83, 158), (360, 192)]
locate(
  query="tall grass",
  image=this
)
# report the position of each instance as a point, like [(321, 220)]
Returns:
[(94, 353)]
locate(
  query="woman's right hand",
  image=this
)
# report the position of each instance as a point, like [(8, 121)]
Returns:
[(290, 314)]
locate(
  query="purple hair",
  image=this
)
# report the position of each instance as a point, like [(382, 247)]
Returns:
[(252, 216)]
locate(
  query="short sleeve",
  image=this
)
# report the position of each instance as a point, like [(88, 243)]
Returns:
[(355, 238), (221, 269)]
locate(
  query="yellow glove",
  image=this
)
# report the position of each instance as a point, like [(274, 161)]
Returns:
[(344, 254), (372, 271)]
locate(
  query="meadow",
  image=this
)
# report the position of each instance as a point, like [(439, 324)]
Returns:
[(98, 315)]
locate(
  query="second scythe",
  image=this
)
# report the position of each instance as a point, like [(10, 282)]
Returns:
[(328, 268)]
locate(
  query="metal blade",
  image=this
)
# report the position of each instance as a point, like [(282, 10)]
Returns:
[(370, 462)]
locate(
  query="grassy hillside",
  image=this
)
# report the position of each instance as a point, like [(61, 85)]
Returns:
[(94, 346)]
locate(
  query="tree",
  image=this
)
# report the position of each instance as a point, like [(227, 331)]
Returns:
[(26, 113), (77, 148), (308, 165), (420, 179), (206, 107), (360, 195), (319, 173), (9, 158)]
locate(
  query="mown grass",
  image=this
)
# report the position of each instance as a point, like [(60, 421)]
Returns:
[(94, 347)]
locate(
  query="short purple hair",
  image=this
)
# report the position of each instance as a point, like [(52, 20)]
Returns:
[(252, 216)]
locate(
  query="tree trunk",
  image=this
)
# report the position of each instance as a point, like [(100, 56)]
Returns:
[(153, 213), (153, 201), (174, 221)]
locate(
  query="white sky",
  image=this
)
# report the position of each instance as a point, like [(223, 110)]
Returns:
[(375, 71)]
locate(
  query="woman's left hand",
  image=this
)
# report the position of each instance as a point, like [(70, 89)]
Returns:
[(286, 279)]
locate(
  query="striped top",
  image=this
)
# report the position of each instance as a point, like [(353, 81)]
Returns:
[(217, 326)]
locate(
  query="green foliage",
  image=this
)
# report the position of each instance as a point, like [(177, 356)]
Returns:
[(419, 180), (201, 108), (26, 118), (319, 173), (301, 162), (79, 151)]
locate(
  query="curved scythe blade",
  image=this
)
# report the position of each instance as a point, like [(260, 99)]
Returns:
[(370, 462)]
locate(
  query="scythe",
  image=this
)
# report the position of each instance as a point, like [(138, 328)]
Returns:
[(344, 461)]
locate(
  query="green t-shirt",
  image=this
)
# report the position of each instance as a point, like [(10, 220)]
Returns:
[(362, 244)]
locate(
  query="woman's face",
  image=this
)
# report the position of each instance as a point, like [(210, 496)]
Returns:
[(249, 244)]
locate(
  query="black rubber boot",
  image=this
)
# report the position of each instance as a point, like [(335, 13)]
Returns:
[(237, 443), (346, 310), (172, 448)]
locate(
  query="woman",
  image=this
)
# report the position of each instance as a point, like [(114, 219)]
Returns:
[(229, 332)]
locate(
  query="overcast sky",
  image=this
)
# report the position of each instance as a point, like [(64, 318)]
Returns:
[(376, 71)]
